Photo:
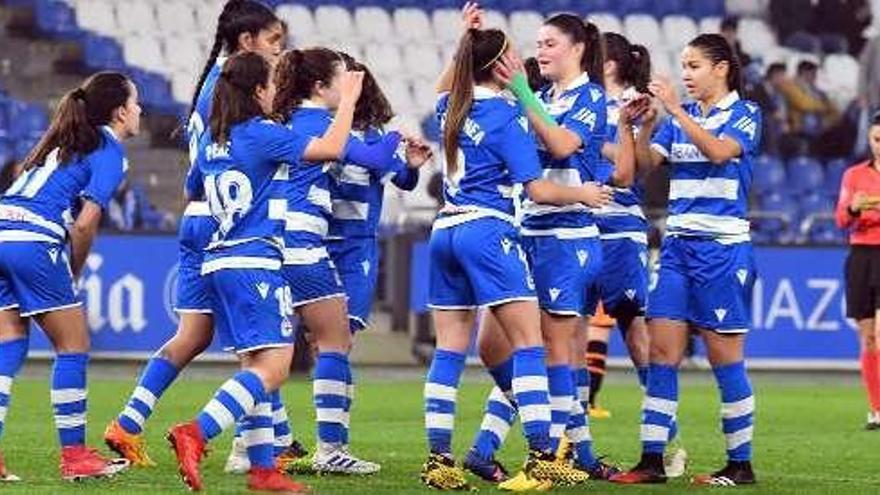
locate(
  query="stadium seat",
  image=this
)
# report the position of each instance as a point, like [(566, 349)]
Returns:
[(384, 59), (816, 202), (182, 86), (372, 23), (98, 16), (606, 22), (446, 25), (805, 174), (102, 53), (629, 7), (524, 25), (678, 31), (780, 203), (207, 13), (299, 20), (747, 8), (769, 174), (700, 9), (669, 7), (413, 24), (136, 17), (495, 19), (187, 54), (422, 60), (175, 18), (756, 36), (840, 72), (56, 19), (425, 94), (710, 24), (144, 51), (333, 21), (26, 120), (399, 95), (834, 171), (154, 90), (642, 29)]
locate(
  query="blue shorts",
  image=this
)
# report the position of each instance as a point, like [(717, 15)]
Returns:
[(194, 292), (357, 262), (705, 283), (478, 263), (252, 309), (313, 282), (622, 285), (565, 270), (35, 277)]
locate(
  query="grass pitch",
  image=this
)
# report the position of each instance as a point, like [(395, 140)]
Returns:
[(809, 436)]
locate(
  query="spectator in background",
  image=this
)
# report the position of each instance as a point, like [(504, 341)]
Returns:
[(729, 29), (840, 24), (768, 95), (8, 174), (869, 75), (790, 16), (129, 209), (810, 111)]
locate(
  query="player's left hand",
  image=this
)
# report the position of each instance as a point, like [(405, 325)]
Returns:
[(634, 109), (664, 91), (509, 65), (418, 151)]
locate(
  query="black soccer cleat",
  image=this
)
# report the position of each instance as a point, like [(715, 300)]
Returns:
[(735, 473)]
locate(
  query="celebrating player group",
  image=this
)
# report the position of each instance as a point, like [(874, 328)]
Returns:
[(541, 227)]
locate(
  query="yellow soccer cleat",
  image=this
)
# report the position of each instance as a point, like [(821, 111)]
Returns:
[(129, 446), (599, 412), (522, 483), (565, 452), (544, 466), (440, 472)]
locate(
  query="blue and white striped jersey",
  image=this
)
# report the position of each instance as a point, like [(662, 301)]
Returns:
[(706, 199), (581, 109), (622, 218), (240, 188), (496, 151), (37, 205), (357, 191)]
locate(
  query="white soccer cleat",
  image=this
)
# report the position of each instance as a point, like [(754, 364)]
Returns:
[(237, 462), (675, 462), (336, 459)]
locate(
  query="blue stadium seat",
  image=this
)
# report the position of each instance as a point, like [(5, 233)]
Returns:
[(769, 174), (834, 174), (816, 202), (700, 9), (155, 91), (627, 7), (56, 19), (805, 174), (27, 120), (781, 203), (6, 153), (669, 7), (23, 147), (102, 53)]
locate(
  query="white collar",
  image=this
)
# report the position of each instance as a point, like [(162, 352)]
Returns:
[(110, 131), (727, 101), (579, 81), (484, 93), (312, 104)]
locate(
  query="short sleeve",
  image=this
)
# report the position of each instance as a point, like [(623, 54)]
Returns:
[(517, 149), (587, 116), (278, 143), (661, 142), (744, 127), (108, 167)]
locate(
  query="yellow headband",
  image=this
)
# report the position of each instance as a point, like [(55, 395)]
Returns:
[(496, 57)]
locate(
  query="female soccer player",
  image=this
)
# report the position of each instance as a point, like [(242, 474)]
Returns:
[(80, 158), (308, 96), (623, 283), (239, 158), (476, 254), (707, 268), (857, 210), (243, 26)]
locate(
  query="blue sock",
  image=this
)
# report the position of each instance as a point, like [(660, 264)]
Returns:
[(258, 435), (643, 376), (235, 398), (582, 384), (12, 356), (280, 424), (561, 388), (579, 433), (349, 397), (659, 408), (532, 397), (69, 397), (155, 379), (441, 391), (503, 375), (737, 410), (330, 390), (497, 420)]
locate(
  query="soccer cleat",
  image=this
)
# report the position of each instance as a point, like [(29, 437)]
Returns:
[(649, 470), (440, 472), (599, 412), (602, 471), (735, 473), (675, 462), (336, 459), (237, 462), (566, 449), (285, 461), (873, 421), (128, 445), (487, 469), (272, 480), (522, 483), (79, 462), (189, 446), (5, 475), (544, 466)]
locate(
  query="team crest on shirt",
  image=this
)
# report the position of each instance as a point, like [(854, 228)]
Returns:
[(742, 274), (506, 245), (582, 257), (720, 313), (286, 327), (53, 254), (263, 289), (366, 266), (630, 294), (554, 294)]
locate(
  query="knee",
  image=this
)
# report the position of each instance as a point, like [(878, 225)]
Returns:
[(662, 354)]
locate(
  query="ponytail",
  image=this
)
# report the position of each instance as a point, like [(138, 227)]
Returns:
[(235, 98), (641, 68), (373, 111), (633, 61), (75, 127), (593, 59), (718, 50), (237, 17), (297, 73), (478, 51)]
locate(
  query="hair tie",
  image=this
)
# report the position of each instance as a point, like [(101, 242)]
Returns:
[(496, 57), (78, 94)]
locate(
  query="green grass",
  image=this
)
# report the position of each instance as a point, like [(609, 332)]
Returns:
[(808, 438)]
